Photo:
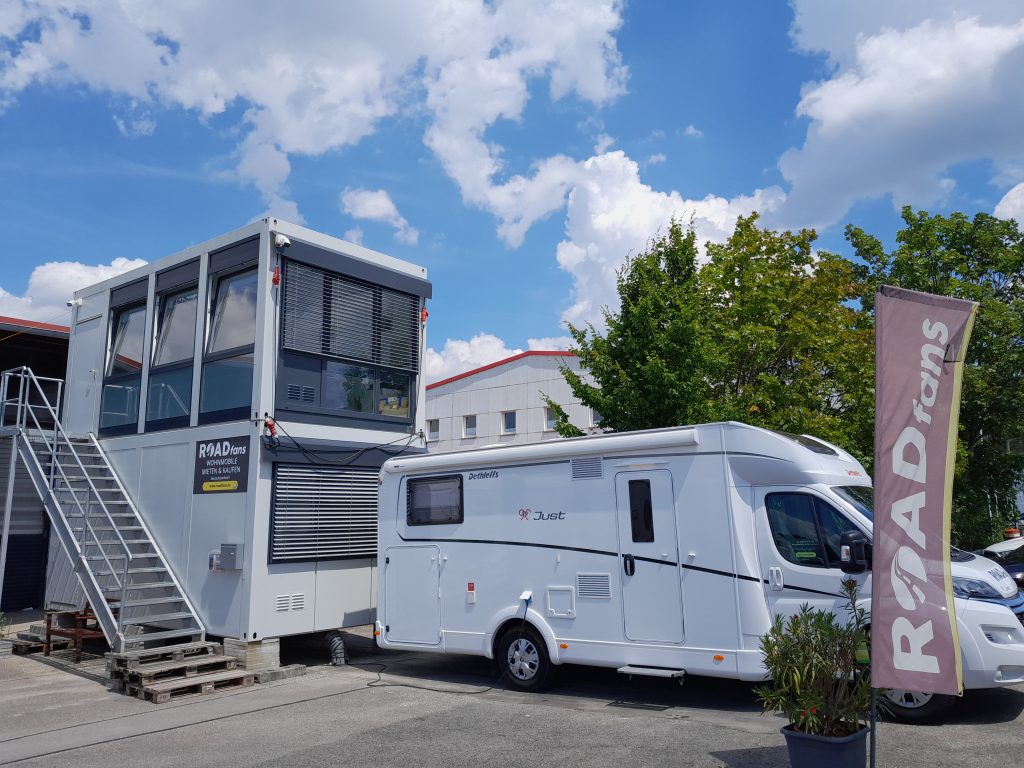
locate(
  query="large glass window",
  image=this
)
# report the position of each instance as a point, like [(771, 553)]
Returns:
[(226, 386), (127, 343), (349, 387), (806, 530), (234, 312), (169, 401), (122, 384), (434, 500)]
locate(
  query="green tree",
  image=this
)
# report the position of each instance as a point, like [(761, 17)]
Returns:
[(791, 349), (650, 366), (981, 259), (761, 333)]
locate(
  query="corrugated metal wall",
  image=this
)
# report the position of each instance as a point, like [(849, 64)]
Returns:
[(26, 553)]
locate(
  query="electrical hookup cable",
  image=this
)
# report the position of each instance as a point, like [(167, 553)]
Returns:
[(318, 458)]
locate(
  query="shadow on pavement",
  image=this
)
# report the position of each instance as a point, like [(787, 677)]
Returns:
[(760, 757)]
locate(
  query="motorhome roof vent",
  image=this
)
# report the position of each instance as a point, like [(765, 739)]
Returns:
[(587, 468), (594, 585)]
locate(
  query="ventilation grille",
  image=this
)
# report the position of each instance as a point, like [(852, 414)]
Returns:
[(588, 468), (594, 585), (284, 603), (328, 314), (323, 513), (302, 394)]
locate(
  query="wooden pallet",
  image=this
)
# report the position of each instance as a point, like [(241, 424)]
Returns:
[(144, 674), (24, 647), (164, 690), (185, 651)]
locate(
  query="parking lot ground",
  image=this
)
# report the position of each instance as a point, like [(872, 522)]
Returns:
[(407, 709)]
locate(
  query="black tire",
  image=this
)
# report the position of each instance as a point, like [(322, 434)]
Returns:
[(915, 708), (523, 659)]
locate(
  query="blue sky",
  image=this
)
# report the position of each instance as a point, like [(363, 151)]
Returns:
[(519, 149)]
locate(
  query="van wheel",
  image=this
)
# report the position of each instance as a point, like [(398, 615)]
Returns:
[(914, 706), (524, 659)]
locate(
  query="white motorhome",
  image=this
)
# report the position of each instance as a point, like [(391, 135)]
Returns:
[(656, 553)]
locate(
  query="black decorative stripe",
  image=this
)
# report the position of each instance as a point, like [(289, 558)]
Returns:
[(606, 553)]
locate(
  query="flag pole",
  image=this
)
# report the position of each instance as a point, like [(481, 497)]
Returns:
[(874, 723)]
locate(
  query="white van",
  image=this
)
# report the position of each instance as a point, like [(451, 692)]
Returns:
[(658, 553)]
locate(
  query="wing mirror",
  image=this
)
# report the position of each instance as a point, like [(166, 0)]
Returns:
[(854, 552)]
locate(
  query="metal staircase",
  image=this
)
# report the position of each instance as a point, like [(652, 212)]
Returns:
[(137, 599)]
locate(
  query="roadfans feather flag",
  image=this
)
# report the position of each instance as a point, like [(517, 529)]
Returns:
[(920, 344)]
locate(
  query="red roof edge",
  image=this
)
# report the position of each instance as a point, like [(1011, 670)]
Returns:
[(33, 324), (520, 356)]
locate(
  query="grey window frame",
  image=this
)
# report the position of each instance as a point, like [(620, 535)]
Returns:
[(238, 412), (119, 379), (173, 422), (414, 481)]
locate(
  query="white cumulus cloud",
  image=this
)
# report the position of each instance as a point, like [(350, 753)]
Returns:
[(51, 285), (377, 205), (916, 88), (458, 356)]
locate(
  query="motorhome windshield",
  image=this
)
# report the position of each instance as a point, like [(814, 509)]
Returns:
[(862, 497)]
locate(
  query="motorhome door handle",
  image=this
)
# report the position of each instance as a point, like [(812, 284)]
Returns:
[(628, 565), (775, 578)]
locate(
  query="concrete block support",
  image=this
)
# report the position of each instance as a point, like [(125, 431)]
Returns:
[(258, 654)]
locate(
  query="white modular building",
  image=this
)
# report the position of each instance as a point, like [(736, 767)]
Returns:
[(503, 403), (214, 464)]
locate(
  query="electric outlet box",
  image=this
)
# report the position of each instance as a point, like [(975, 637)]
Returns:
[(230, 557)]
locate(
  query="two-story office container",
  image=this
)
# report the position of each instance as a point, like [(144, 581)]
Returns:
[(176, 367)]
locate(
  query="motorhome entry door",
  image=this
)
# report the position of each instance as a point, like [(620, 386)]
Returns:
[(412, 584), (652, 606)]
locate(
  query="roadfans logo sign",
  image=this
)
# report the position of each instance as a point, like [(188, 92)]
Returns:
[(222, 466), (921, 341)]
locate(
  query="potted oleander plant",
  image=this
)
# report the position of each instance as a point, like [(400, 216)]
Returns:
[(821, 682)]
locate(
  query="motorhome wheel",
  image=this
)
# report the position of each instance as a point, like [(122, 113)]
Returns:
[(915, 706), (525, 663)]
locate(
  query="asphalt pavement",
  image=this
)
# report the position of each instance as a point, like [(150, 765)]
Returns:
[(407, 710)]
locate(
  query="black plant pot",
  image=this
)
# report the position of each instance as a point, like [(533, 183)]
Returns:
[(810, 751)]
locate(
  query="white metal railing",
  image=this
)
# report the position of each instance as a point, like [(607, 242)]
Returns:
[(29, 399)]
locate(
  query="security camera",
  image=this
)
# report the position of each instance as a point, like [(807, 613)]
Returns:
[(280, 241)]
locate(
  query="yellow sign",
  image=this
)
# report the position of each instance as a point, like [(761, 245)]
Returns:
[(221, 485)]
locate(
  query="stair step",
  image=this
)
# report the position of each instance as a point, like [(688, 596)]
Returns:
[(651, 671), (143, 621), (169, 634), (113, 589), (148, 601)]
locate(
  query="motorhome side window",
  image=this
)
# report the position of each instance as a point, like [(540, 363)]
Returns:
[(434, 500), (641, 514), (226, 389), (806, 530), (169, 401), (122, 381)]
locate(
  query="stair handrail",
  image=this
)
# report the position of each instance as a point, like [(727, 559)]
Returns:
[(149, 536), (24, 407)]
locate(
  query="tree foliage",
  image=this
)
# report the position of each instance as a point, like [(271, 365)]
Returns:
[(981, 259), (773, 333)]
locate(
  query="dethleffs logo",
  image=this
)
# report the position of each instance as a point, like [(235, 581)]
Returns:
[(489, 475), (536, 514)]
